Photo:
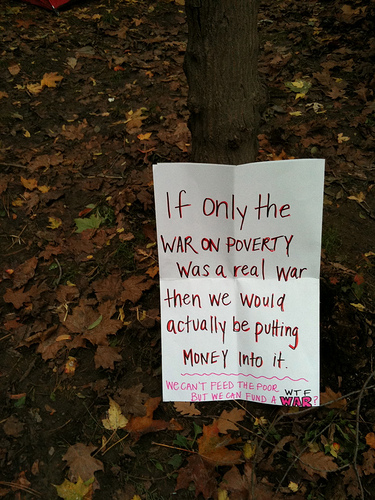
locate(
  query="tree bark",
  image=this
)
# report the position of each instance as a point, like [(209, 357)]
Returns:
[(224, 88)]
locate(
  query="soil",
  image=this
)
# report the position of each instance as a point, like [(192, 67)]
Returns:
[(90, 99)]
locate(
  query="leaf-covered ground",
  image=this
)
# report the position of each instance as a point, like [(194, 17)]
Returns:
[(89, 100)]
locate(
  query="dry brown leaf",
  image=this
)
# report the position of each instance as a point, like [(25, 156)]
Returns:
[(14, 69), (351, 481), (199, 472), (368, 466), (132, 400), (187, 409), (227, 420), (213, 447), (317, 463), (106, 356), (134, 287), (51, 79), (329, 395), (280, 445), (81, 463), (13, 427), (109, 287), (16, 297), (24, 272)]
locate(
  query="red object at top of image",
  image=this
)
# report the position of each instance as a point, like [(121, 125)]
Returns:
[(49, 4)]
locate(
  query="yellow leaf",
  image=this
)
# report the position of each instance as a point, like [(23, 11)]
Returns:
[(295, 113), (54, 223), (260, 421), (299, 84), (17, 203), (50, 79), (136, 497), (34, 88), (360, 307), (71, 365), (116, 419), (342, 138), (43, 189), (69, 283), (144, 137), (77, 491), (359, 197), (65, 336), (26, 133), (249, 450), (293, 486), (29, 184), (300, 95), (222, 494)]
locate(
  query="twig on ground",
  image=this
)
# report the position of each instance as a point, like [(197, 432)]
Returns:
[(357, 434)]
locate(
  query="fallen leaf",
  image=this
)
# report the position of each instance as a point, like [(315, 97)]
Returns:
[(368, 466), (70, 365), (317, 463), (358, 197), (29, 184), (93, 222), (72, 62), (50, 79), (143, 425), (106, 356), (187, 409), (75, 491), (212, 447), (249, 450), (24, 272), (370, 439), (293, 486), (330, 395), (134, 120), (13, 427), (144, 137), (227, 420), (359, 307), (16, 297), (351, 481), (34, 88), (199, 472), (54, 222), (132, 400), (108, 288), (301, 87), (342, 138), (14, 69), (3, 94), (134, 287), (96, 322), (115, 419), (81, 463)]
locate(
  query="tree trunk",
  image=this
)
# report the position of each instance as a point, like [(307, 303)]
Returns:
[(224, 89)]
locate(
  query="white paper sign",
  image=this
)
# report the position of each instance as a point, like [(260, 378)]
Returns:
[(239, 258)]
